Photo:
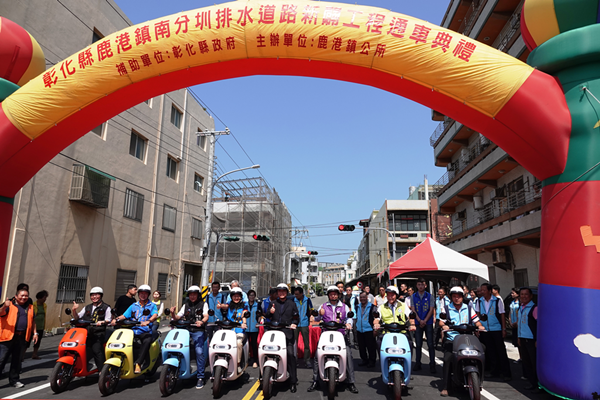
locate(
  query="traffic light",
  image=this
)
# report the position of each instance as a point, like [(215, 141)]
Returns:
[(231, 238), (262, 238), (313, 253), (348, 228)]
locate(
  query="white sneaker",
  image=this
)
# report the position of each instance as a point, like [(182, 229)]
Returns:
[(18, 385)]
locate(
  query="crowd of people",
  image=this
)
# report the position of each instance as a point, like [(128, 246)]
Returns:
[(426, 316)]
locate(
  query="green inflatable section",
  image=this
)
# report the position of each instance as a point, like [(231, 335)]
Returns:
[(6, 89), (573, 14)]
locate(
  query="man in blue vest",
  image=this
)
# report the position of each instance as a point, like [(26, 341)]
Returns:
[(527, 330), (214, 300), (440, 304), (496, 358), (364, 331), (422, 304), (305, 306)]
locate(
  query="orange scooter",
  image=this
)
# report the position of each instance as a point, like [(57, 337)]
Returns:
[(72, 355)]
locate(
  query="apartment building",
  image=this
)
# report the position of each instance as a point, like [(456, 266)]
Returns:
[(123, 204), (493, 201)]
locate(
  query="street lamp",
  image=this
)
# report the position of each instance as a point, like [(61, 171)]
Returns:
[(208, 222)]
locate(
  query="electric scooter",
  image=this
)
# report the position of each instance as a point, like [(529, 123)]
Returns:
[(120, 358), (272, 356), (331, 354), (468, 358), (72, 356), (223, 354), (176, 355)]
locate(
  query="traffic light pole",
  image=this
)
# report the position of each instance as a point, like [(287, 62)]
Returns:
[(393, 240), (287, 272)]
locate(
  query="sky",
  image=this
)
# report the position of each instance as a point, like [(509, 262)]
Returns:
[(333, 150)]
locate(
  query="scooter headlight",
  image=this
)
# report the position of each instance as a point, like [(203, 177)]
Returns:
[(271, 348), (469, 353), (332, 348), (173, 346), (69, 344), (395, 350), (221, 347), (116, 345)]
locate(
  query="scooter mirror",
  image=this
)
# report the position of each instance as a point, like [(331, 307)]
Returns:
[(68, 311), (443, 315), (211, 312), (412, 315), (483, 317), (314, 313), (167, 311), (247, 314), (146, 312), (198, 312), (375, 314), (350, 314)]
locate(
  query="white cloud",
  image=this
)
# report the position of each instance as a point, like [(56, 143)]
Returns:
[(588, 344)]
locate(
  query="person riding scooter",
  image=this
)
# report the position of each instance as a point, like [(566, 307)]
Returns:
[(235, 312), (392, 311), (100, 313), (284, 311), (458, 313), (144, 330), (335, 310), (197, 333)]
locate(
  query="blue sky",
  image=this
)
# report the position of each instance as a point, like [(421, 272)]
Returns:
[(334, 151)]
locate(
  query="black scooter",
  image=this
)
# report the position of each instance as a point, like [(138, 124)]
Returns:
[(468, 359)]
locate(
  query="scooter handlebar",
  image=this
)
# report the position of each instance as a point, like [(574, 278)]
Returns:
[(274, 325), (332, 325), (464, 328), (395, 327)]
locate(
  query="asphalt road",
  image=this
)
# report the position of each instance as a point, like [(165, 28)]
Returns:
[(368, 381)]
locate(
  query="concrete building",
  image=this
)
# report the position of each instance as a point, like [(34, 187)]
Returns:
[(123, 204), (244, 208), (494, 202), (333, 273)]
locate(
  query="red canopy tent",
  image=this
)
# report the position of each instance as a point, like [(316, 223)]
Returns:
[(430, 259)]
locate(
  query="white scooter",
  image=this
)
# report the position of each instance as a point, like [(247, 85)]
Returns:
[(272, 357), (223, 354), (331, 354)]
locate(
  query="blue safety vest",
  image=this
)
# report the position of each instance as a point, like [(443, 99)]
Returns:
[(422, 306), (237, 315), (212, 305), (251, 322), (514, 311), (136, 311), (527, 324), (493, 324), (440, 305), (458, 317), (303, 308), (363, 314)]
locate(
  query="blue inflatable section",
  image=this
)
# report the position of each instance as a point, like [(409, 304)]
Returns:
[(569, 363)]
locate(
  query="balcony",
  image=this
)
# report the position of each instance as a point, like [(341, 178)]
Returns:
[(471, 16), (511, 30), (440, 130), (505, 207), (468, 156)]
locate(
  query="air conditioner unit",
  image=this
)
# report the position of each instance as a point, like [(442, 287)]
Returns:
[(477, 202), (461, 215), (498, 256), (498, 193)]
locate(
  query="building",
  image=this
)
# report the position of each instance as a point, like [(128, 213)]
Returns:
[(494, 202), (242, 209), (333, 273), (123, 204)]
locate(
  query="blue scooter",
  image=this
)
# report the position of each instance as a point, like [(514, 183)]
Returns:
[(396, 357), (177, 360)]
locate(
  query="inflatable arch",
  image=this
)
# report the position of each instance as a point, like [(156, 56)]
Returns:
[(538, 118)]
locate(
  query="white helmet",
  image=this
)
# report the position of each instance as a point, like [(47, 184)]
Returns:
[(194, 288), (457, 289), (236, 290), (96, 289), (145, 288), (392, 289), (333, 289), (283, 286)]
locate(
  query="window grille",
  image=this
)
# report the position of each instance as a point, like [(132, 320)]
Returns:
[(169, 218), (162, 285), (124, 279), (134, 205), (72, 282), (196, 228)]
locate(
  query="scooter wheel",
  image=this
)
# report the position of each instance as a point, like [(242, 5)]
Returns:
[(218, 381), (109, 379), (168, 380), (267, 388), (60, 377), (474, 386), (332, 376), (397, 380)]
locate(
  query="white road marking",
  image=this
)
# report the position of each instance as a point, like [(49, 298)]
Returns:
[(26, 392), (484, 392)]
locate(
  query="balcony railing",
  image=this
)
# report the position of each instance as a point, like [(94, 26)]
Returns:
[(466, 157), (440, 130), (471, 16), (463, 221), (510, 29)]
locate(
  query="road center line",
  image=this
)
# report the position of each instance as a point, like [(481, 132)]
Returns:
[(252, 390), (26, 392)]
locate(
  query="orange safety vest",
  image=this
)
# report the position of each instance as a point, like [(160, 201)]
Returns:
[(9, 321)]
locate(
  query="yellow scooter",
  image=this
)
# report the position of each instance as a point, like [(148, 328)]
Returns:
[(119, 362)]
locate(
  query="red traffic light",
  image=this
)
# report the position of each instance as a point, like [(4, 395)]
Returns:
[(313, 253), (348, 228), (255, 237), (342, 227)]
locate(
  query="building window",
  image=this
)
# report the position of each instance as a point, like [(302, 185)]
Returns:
[(72, 282), (198, 183), (521, 278), (176, 116), (196, 228), (172, 168), (201, 140), (149, 102), (134, 205), (137, 146), (96, 35), (162, 285), (99, 130), (407, 222), (169, 217), (124, 279)]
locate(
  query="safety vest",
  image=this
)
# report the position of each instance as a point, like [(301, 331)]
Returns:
[(458, 317), (9, 321), (212, 301), (331, 313), (95, 316), (514, 311), (397, 315), (189, 314), (363, 318), (157, 303), (303, 311), (493, 323), (236, 313), (422, 306), (251, 322), (527, 324)]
